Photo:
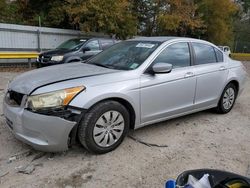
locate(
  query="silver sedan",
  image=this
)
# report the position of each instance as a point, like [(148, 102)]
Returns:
[(130, 85)]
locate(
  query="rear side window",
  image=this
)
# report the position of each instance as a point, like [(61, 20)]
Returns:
[(204, 53), (105, 43), (176, 54), (219, 55)]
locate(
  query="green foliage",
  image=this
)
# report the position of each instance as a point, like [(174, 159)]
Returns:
[(167, 17), (52, 13), (242, 37), (217, 16), (246, 5), (145, 12), (178, 17), (103, 16), (8, 12), (208, 19), (2, 8)]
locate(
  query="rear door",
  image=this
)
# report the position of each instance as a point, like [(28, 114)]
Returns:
[(211, 73)]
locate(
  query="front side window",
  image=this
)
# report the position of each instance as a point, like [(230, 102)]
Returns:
[(93, 45), (204, 54), (176, 54), (127, 55)]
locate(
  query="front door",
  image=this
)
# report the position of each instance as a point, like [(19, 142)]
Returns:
[(168, 94)]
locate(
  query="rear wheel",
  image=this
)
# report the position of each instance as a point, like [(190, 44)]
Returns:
[(104, 127), (227, 99)]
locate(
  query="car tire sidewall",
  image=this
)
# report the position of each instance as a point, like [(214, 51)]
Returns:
[(85, 130), (221, 106)]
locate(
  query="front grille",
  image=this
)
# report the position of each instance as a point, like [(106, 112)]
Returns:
[(15, 96), (44, 58)]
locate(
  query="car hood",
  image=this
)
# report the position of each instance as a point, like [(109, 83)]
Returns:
[(27, 82), (55, 52)]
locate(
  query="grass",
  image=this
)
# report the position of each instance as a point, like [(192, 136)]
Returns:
[(241, 56)]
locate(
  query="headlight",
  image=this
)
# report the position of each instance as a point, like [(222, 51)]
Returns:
[(57, 58), (55, 99)]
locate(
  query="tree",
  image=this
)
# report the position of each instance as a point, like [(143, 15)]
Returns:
[(8, 13), (218, 18), (52, 13), (2, 8), (245, 4), (178, 17), (109, 16), (167, 17), (145, 12)]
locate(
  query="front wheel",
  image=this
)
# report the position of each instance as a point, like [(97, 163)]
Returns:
[(104, 127), (227, 99)]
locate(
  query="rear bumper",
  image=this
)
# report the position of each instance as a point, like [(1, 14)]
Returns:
[(42, 132)]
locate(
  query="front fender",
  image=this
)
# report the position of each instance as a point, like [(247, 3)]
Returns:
[(72, 58), (93, 95)]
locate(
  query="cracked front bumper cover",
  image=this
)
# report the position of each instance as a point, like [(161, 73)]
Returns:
[(42, 132)]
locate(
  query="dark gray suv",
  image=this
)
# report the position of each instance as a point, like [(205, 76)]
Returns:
[(74, 50)]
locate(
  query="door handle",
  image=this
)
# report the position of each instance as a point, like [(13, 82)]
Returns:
[(222, 68), (189, 74)]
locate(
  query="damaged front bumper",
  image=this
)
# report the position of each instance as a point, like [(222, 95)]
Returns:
[(43, 132)]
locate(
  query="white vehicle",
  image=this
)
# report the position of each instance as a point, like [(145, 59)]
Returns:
[(225, 49), (131, 84)]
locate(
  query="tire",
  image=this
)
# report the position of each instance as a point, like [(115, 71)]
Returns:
[(227, 99), (38, 65), (101, 131), (73, 61)]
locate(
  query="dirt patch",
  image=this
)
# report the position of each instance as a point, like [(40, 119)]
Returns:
[(15, 69), (76, 179), (200, 140)]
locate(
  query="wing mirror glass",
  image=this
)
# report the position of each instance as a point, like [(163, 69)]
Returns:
[(160, 68)]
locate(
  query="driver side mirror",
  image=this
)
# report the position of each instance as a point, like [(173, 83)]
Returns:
[(85, 49), (161, 67)]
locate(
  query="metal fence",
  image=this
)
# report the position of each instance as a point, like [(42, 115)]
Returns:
[(22, 38), (29, 38)]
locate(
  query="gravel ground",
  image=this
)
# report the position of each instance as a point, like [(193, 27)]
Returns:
[(201, 140)]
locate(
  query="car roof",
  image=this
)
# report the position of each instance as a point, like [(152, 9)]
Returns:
[(159, 38), (88, 38), (163, 39), (166, 38)]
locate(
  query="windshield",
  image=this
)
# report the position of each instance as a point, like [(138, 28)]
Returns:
[(127, 55), (72, 44)]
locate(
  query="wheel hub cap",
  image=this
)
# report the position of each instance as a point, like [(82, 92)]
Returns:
[(108, 128), (228, 98)]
